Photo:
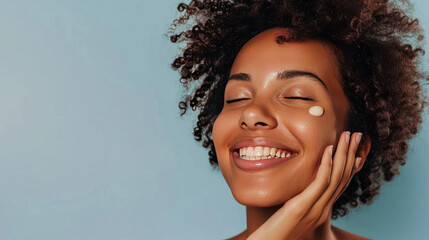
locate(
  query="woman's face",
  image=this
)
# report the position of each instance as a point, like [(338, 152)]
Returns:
[(268, 80)]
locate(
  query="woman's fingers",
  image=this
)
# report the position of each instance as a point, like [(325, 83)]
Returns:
[(339, 163), (320, 191), (348, 174), (351, 163)]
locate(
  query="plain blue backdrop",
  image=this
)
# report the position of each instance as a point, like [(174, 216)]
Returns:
[(92, 145)]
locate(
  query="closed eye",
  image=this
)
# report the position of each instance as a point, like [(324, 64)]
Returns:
[(236, 100), (301, 98), (239, 99)]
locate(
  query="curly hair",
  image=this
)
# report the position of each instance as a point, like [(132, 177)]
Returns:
[(377, 46)]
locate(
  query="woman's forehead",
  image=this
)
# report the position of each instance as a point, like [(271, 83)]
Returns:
[(263, 55)]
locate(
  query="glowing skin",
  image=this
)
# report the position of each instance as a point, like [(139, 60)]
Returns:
[(270, 108), (271, 88), (316, 111)]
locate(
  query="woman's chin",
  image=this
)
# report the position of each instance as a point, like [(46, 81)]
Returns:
[(258, 199)]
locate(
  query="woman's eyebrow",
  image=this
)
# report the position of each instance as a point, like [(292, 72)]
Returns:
[(287, 74)]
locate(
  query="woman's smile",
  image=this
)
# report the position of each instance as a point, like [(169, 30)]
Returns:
[(258, 153), (268, 138)]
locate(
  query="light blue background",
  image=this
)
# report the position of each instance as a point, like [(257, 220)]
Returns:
[(92, 145)]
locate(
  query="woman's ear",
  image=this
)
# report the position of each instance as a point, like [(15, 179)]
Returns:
[(363, 150)]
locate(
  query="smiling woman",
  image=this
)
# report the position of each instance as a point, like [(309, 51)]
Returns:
[(268, 145), (306, 106), (276, 110)]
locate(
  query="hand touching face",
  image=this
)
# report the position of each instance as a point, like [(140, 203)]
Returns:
[(271, 89), (302, 214)]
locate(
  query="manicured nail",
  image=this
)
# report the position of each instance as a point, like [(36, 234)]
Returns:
[(358, 137), (357, 162), (347, 137)]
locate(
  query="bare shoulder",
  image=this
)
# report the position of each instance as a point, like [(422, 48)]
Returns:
[(341, 234)]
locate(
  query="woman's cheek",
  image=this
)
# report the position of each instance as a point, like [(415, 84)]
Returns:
[(314, 132), (222, 127), (321, 129), (218, 134)]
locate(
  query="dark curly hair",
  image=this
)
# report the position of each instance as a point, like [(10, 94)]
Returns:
[(376, 43)]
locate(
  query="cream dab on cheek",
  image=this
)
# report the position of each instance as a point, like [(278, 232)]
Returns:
[(316, 111)]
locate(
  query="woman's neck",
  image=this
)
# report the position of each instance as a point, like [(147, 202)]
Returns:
[(256, 216)]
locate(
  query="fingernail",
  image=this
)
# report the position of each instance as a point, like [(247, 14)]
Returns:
[(357, 162), (347, 137), (330, 149), (358, 137)]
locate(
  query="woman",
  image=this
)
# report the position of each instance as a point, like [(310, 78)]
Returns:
[(306, 106)]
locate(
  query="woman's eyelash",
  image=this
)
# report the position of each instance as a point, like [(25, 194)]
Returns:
[(302, 98), (236, 100), (239, 99)]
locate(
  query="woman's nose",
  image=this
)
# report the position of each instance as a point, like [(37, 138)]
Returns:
[(257, 116)]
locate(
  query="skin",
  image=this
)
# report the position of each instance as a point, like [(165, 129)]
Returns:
[(291, 200)]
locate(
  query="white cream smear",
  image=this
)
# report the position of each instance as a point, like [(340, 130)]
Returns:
[(316, 111)]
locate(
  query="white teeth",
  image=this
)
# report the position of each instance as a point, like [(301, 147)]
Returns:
[(259, 152), (249, 151), (272, 152), (266, 151)]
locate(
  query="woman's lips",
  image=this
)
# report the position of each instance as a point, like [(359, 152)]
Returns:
[(254, 165), (259, 141)]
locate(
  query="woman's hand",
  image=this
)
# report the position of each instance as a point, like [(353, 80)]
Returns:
[(306, 211)]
